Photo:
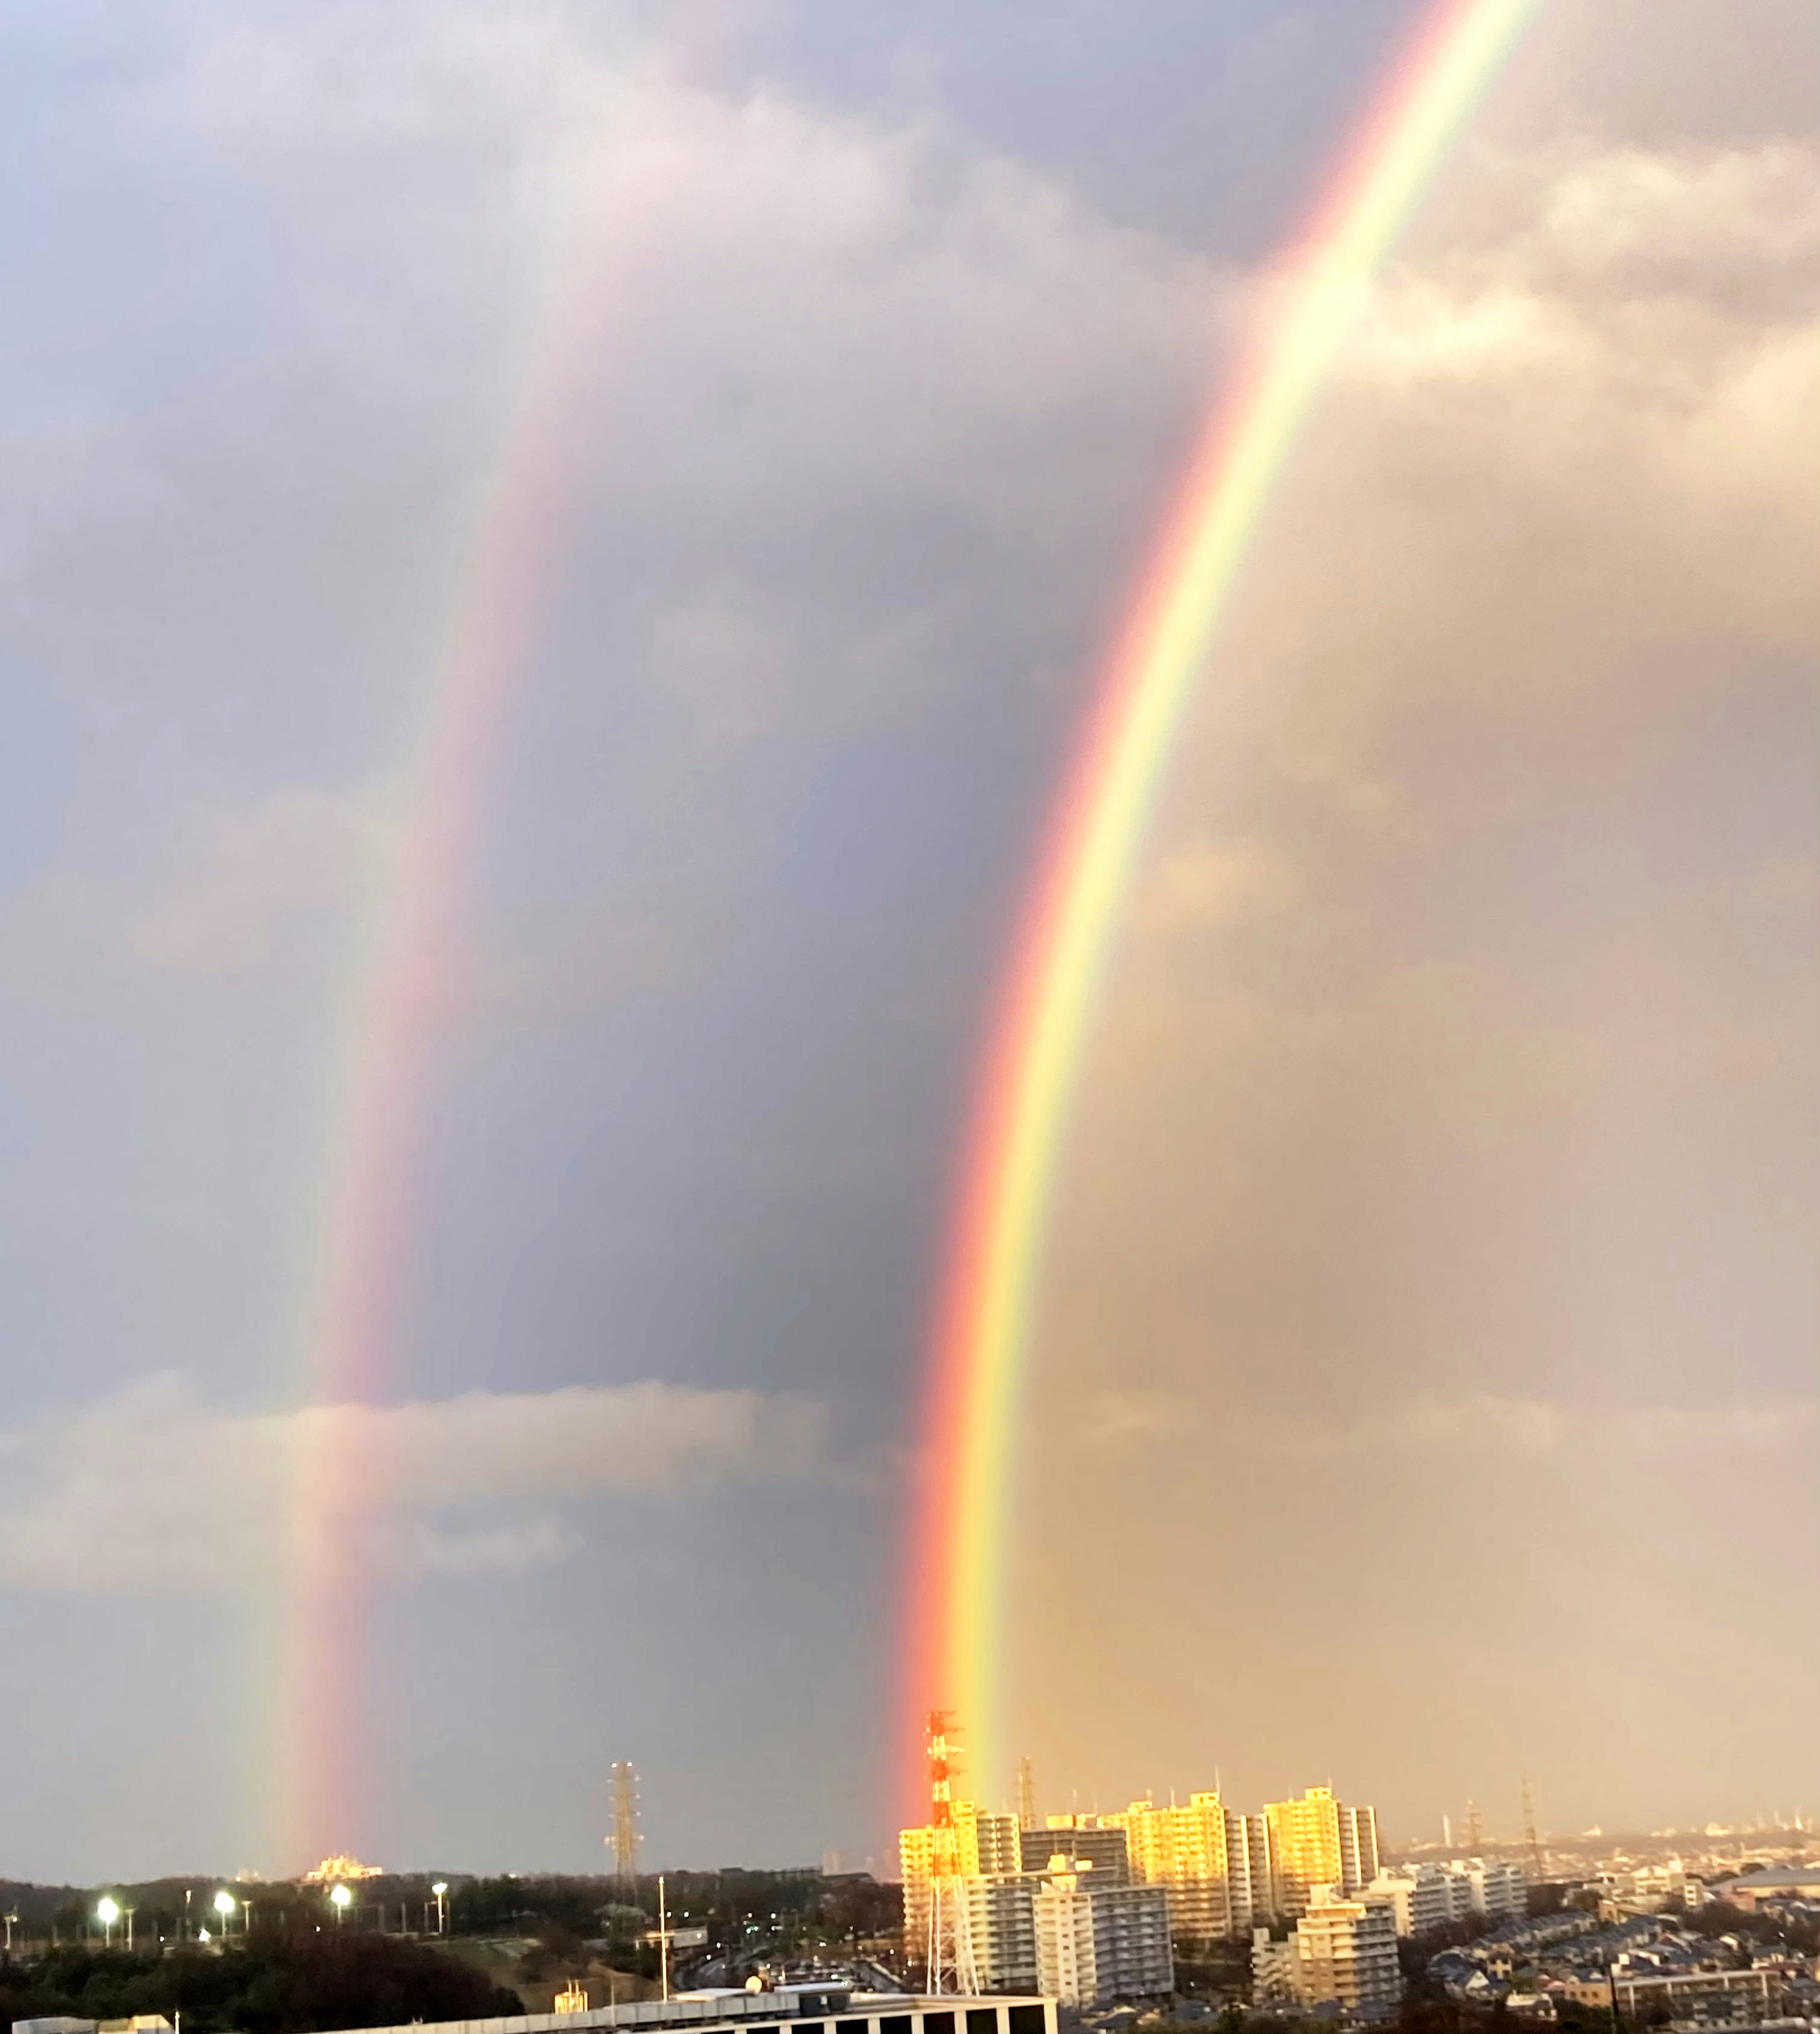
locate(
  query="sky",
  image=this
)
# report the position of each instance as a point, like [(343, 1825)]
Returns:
[(777, 404)]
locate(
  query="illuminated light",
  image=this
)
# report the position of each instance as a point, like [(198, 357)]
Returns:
[(107, 1911)]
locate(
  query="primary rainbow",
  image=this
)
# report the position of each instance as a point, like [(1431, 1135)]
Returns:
[(982, 1328)]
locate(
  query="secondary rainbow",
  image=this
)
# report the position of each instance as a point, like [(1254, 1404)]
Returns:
[(981, 1334), (356, 1310)]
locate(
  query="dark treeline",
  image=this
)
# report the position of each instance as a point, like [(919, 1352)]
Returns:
[(278, 1983), (735, 1906)]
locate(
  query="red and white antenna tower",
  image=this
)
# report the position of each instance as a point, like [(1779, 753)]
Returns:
[(952, 1967)]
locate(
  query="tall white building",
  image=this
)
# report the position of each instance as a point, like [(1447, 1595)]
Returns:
[(1001, 1929), (1097, 1943)]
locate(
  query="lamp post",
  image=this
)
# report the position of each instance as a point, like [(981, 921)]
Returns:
[(440, 1890), (339, 1898), (12, 1922), (129, 1912), (107, 1913), (224, 1907)]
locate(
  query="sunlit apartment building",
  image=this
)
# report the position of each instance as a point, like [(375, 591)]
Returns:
[(1089, 1840), (1185, 1850), (985, 1847), (1318, 1840), (1221, 1870)]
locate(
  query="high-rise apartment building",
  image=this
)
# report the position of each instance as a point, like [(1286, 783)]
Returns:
[(986, 1846), (1251, 1869), (1098, 1943), (1001, 1931), (1081, 1840), (1318, 1840), (1340, 1953), (1184, 1850), (1346, 1950)]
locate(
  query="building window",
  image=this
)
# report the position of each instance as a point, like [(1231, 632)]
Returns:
[(894, 2023), (982, 2020), (1027, 2020), (938, 2023)]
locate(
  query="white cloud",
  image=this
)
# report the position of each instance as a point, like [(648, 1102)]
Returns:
[(246, 875), (151, 1491)]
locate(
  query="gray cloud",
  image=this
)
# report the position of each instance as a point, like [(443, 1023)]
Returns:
[(149, 1491)]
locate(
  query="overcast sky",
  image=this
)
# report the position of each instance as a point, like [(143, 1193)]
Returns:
[(1425, 1387)]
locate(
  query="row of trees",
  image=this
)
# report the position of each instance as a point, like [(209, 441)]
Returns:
[(276, 1984)]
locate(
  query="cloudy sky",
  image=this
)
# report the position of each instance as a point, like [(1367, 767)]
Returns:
[(773, 405)]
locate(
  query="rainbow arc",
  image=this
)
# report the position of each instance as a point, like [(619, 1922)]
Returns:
[(980, 1342)]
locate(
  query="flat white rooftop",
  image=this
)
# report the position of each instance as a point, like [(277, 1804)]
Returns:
[(799, 2009)]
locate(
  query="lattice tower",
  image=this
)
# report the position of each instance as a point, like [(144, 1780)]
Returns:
[(950, 1964), (625, 1837), (1530, 1838), (1026, 1796)]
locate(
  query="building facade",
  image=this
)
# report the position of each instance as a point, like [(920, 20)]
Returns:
[(1317, 1840), (1081, 1840), (1001, 1931), (1183, 1850), (986, 1846), (1096, 1944), (1347, 1951)]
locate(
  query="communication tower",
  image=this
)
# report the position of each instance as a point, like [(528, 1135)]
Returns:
[(1474, 1834), (950, 1965), (1026, 1796), (1537, 1870), (625, 1837)]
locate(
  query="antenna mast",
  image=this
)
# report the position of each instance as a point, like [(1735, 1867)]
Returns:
[(950, 1950), (625, 1837)]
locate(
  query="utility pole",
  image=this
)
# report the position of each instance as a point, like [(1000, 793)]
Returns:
[(625, 1837), (1026, 1796), (662, 1935)]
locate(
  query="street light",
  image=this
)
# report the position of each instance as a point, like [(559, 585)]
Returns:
[(12, 1922), (224, 1907), (440, 1890), (107, 1913), (339, 1899)]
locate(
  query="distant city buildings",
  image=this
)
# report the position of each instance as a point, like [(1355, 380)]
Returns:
[(1423, 1897), (1219, 1871)]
